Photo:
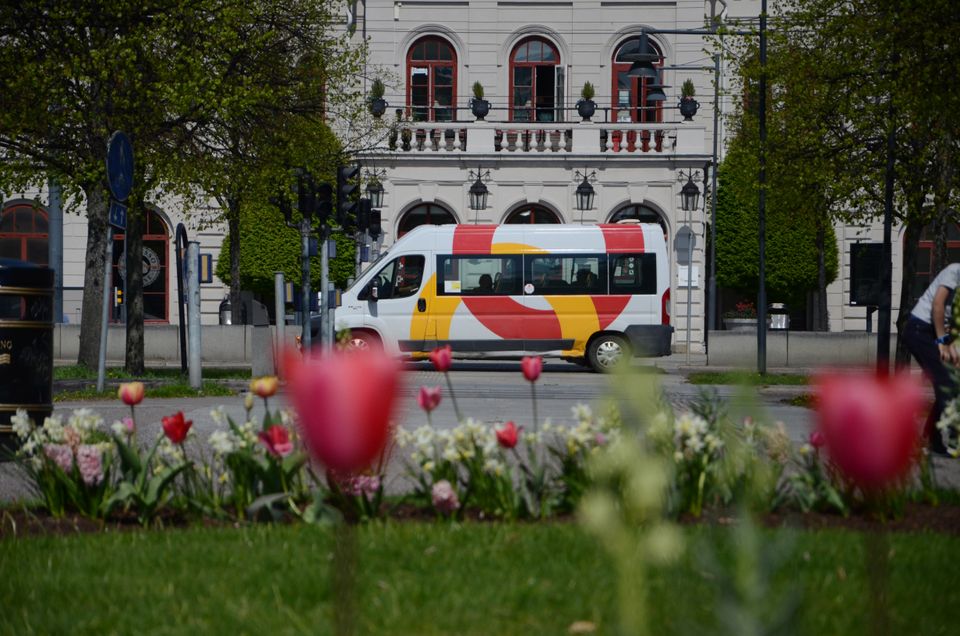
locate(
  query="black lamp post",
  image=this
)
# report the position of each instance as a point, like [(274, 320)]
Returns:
[(689, 195), (585, 193)]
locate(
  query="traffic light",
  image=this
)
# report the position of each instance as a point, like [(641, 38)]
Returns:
[(346, 187), (374, 229), (119, 293), (363, 214), (322, 194)]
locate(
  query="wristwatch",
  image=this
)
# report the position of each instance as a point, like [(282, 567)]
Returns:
[(945, 339)]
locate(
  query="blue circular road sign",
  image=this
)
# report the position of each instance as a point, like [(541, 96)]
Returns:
[(120, 165)]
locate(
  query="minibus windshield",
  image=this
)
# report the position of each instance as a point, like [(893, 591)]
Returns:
[(368, 268)]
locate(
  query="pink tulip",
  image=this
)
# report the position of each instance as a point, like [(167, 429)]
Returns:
[(817, 439), (175, 427), (532, 366), (344, 403), (277, 440), (444, 497), (507, 436), (442, 358), (131, 393), (870, 426), (428, 398)]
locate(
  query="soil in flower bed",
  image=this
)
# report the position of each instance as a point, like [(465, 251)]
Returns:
[(942, 519)]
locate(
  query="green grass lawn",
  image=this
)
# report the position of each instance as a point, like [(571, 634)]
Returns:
[(178, 389), (77, 372), (746, 377), (417, 578)]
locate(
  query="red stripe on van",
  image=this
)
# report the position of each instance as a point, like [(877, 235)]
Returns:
[(509, 319), (622, 238), (609, 308), (473, 239)]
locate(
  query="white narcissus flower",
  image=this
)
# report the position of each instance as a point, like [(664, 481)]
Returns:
[(22, 424), (222, 442), (219, 416), (53, 429)]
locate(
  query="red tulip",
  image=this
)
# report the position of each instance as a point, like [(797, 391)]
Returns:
[(442, 358), (870, 426), (532, 366), (176, 427), (507, 436), (428, 398), (131, 393), (344, 403), (277, 440)]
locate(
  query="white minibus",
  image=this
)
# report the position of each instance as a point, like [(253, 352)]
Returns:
[(585, 293)]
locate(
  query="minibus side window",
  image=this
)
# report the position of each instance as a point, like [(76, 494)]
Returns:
[(633, 274), (400, 277), (568, 274), (478, 275)]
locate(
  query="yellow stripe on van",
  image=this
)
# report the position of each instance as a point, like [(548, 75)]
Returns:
[(516, 248), (433, 324), (578, 320)]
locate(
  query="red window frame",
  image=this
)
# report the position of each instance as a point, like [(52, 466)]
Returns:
[(430, 209), (432, 65), (638, 88), (26, 235), (926, 272), (534, 65), (538, 215)]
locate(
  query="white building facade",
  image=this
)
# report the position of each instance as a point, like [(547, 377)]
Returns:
[(532, 150)]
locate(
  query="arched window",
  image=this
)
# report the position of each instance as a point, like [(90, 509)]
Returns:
[(536, 81), (639, 213), (630, 103), (156, 243), (531, 214), (432, 80), (24, 234), (424, 214)]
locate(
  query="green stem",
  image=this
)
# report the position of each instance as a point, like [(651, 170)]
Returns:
[(453, 396), (536, 420)]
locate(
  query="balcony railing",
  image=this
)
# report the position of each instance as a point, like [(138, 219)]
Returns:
[(545, 138)]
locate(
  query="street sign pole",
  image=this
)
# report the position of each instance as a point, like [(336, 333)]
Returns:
[(120, 180)]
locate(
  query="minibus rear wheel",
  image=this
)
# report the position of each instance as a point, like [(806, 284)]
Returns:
[(362, 341), (607, 351)]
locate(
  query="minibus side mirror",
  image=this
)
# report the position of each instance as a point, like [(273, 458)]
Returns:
[(372, 290)]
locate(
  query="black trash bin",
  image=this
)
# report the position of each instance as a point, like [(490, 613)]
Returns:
[(26, 343)]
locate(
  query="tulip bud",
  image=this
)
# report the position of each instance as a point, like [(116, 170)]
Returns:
[(131, 393)]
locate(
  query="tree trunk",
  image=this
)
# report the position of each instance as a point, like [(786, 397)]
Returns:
[(820, 314), (91, 316), (133, 299), (233, 227), (911, 240)]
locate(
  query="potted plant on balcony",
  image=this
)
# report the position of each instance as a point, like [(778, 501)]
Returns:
[(377, 104), (478, 105), (688, 105), (743, 317), (586, 107)]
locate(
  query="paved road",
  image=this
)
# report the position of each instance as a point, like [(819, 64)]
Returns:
[(494, 392)]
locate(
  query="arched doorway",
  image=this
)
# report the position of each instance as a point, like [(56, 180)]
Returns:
[(432, 80), (24, 233), (424, 214), (156, 243), (532, 214), (536, 81)]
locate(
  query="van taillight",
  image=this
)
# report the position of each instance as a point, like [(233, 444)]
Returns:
[(665, 308)]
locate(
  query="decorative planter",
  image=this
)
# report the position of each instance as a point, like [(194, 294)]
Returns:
[(480, 108), (586, 108), (688, 108), (378, 107), (742, 325)]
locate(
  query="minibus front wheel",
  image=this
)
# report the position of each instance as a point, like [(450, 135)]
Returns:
[(607, 351), (362, 341)]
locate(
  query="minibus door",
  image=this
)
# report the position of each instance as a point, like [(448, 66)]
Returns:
[(395, 311)]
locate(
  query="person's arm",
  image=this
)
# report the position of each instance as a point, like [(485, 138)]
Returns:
[(947, 351)]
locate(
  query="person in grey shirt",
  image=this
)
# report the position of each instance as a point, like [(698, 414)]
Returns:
[(927, 337)]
